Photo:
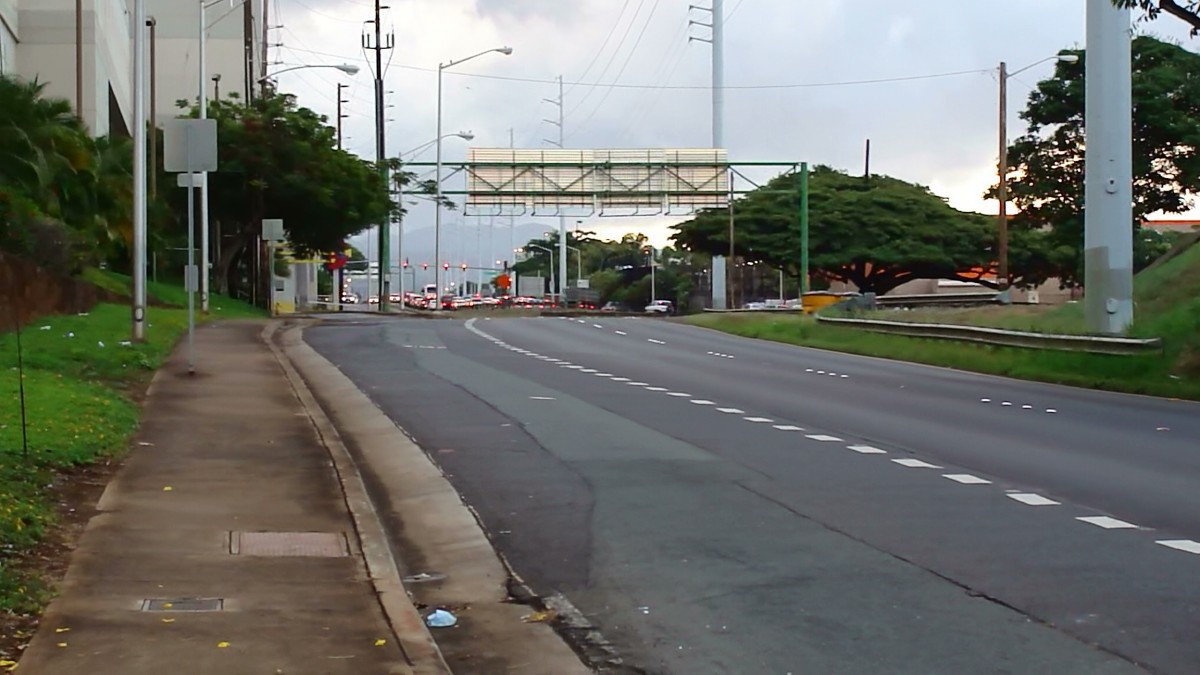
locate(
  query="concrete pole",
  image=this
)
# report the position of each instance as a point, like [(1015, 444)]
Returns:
[(1108, 182), (718, 125), (139, 171), (385, 226), (79, 57), (203, 100), (562, 222), (437, 204)]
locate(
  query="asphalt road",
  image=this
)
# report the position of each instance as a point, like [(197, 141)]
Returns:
[(716, 504)]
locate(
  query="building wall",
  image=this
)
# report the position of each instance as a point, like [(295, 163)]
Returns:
[(8, 37), (178, 51), (46, 51)]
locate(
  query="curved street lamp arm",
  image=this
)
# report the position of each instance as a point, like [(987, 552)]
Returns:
[(451, 64)]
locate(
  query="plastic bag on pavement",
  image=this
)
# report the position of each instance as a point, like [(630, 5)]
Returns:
[(440, 618)]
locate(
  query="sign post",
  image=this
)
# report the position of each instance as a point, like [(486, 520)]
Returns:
[(190, 146)]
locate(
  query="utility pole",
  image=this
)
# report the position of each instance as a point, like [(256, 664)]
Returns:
[(1002, 188), (378, 46), (562, 223), (202, 99), (248, 40), (266, 37), (340, 116), (153, 24), (1108, 171), (79, 58)]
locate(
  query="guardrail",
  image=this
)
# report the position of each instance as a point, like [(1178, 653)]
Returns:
[(995, 336), (940, 299)]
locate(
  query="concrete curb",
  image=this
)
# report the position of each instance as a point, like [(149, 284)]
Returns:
[(435, 530), (406, 623)]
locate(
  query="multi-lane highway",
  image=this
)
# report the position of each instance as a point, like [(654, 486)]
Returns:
[(716, 504)]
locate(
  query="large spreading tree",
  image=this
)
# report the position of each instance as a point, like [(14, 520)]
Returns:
[(1187, 11), (1047, 163), (279, 160), (875, 232)]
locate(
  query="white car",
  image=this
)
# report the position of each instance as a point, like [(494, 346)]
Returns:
[(660, 307)]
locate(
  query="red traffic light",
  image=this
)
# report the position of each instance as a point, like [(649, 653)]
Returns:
[(404, 264), (446, 266), (424, 266), (464, 267)]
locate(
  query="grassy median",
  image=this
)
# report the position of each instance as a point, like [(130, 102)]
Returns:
[(82, 378), (1167, 306)]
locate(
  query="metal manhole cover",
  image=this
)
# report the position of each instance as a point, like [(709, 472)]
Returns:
[(183, 604), (289, 544)]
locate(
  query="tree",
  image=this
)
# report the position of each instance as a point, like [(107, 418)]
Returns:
[(875, 232), (279, 160), (58, 184), (1047, 184), (1187, 11)]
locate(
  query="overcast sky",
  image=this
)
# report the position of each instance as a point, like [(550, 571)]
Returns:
[(938, 130)]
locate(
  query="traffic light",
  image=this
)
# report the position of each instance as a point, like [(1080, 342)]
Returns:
[(464, 267), (404, 264), (446, 267), (425, 266)]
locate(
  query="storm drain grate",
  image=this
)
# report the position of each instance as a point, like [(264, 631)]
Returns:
[(289, 544), (183, 604)]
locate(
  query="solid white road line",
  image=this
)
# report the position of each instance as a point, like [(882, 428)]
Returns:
[(1181, 545), (822, 437), (1031, 499), (1107, 522), (788, 427), (867, 449), (966, 479), (915, 464), (731, 411)]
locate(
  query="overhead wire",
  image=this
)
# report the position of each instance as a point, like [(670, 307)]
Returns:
[(611, 58), (595, 57)]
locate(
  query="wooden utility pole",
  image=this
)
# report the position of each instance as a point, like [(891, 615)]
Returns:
[(248, 40), (79, 58)]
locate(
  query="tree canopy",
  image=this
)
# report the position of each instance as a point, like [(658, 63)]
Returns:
[(1047, 182), (279, 160), (1187, 11), (65, 198), (876, 232)]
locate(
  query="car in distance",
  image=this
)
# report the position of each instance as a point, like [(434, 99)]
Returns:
[(660, 307)]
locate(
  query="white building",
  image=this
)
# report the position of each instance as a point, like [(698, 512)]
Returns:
[(38, 40)]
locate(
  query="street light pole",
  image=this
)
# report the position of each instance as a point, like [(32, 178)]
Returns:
[(437, 178), (139, 171)]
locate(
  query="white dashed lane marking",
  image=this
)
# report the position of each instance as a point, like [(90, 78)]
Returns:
[(732, 411), (966, 479), (620, 332), (596, 325), (1031, 499), (637, 384), (700, 401), (867, 449), (657, 342), (1107, 523), (759, 420), (1186, 545), (823, 438), (541, 398), (679, 394), (788, 427), (656, 388), (620, 379), (915, 464)]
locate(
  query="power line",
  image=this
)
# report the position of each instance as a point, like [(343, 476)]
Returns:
[(611, 58), (748, 87), (611, 32), (628, 58)]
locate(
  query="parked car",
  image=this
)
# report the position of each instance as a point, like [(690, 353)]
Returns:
[(660, 307)]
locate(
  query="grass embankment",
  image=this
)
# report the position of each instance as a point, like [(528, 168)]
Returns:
[(81, 378), (1167, 305)]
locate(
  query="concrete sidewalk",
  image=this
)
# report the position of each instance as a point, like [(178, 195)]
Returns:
[(224, 544)]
